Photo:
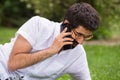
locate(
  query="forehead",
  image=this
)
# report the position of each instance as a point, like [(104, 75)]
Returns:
[(83, 30)]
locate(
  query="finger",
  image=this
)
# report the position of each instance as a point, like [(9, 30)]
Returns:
[(67, 39), (64, 30), (67, 34), (64, 34), (67, 43)]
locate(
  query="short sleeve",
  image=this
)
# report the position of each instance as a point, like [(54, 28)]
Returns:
[(29, 30), (79, 69)]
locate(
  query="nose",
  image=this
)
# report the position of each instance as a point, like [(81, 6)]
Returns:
[(80, 40)]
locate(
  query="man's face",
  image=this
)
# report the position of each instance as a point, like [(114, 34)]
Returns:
[(80, 34)]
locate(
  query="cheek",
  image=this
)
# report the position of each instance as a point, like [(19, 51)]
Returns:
[(80, 40)]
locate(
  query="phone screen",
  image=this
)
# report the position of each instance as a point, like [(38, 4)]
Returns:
[(65, 47)]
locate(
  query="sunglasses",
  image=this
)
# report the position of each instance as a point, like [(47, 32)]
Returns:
[(86, 37)]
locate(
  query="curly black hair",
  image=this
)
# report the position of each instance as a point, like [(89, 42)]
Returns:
[(82, 14)]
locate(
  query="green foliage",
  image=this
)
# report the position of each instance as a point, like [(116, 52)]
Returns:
[(16, 12), (55, 9), (110, 15), (13, 13), (51, 9)]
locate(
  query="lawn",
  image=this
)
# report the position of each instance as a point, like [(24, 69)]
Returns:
[(104, 61), (6, 34)]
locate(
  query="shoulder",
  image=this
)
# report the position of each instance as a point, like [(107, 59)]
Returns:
[(37, 22), (81, 48), (41, 21), (39, 18)]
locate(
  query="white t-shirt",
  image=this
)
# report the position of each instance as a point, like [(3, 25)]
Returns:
[(40, 33)]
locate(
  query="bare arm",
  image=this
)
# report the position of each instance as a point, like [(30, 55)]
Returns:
[(21, 57)]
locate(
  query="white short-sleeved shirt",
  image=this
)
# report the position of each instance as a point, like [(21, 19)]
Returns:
[(40, 33)]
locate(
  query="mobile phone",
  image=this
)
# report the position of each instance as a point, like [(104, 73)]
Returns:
[(69, 28)]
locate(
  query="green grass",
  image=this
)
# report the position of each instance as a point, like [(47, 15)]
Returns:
[(6, 34), (104, 61)]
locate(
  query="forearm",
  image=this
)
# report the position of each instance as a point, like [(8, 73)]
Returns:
[(23, 60)]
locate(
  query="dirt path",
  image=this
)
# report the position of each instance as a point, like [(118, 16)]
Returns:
[(103, 42)]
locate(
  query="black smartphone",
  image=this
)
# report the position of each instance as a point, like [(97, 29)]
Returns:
[(63, 26)]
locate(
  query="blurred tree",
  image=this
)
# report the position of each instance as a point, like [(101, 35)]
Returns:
[(52, 9), (13, 13), (110, 18)]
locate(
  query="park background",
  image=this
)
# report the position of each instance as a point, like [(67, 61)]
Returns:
[(102, 51)]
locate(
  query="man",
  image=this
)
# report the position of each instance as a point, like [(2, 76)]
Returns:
[(38, 50)]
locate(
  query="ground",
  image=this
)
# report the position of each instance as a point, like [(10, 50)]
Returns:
[(104, 42)]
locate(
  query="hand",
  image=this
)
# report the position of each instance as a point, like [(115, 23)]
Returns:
[(61, 40)]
